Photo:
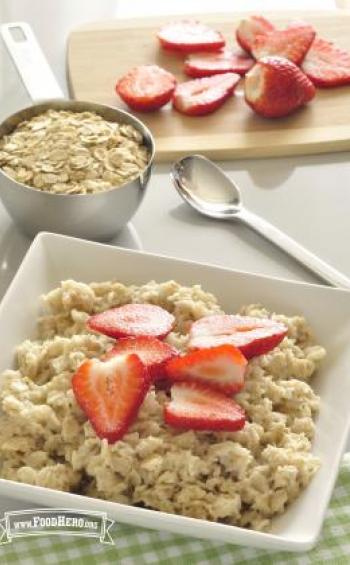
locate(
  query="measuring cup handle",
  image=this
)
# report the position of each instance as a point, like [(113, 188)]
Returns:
[(30, 61)]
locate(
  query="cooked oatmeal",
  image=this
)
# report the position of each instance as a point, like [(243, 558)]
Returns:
[(242, 478), (66, 152)]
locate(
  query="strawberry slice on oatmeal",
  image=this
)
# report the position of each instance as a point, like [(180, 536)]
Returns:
[(198, 407), (252, 336), (111, 392), (133, 320), (222, 367)]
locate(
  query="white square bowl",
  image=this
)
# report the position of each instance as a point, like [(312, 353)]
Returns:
[(53, 258)]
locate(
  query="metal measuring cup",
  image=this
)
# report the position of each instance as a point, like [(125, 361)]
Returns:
[(93, 216)]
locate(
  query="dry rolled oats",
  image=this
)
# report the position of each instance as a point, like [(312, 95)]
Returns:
[(66, 152)]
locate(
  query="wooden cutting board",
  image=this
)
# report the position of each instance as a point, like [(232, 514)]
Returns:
[(98, 53)]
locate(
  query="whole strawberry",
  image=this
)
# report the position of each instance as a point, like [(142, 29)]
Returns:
[(275, 87)]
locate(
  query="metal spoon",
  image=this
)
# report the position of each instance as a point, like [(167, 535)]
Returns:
[(205, 187)]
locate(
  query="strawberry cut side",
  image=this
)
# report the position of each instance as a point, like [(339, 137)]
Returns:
[(133, 320), (146, 88), (195, 406), (292, 43), (222, 367), (153, 353), (110, 393), (327, 65), (276, 87), (227, 60), (249, 28), (204, 95), (252, 336), (189, 37)]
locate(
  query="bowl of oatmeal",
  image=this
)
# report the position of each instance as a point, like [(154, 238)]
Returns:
[(75, 168), (266, 484)]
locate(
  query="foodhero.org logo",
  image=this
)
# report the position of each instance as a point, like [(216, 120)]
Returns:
[(60, 521), (44, 521)]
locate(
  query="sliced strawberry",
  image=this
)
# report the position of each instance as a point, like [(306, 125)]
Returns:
[(252, 336), (227, 60), (292, 43), (204, 95), (110, 393), (195, 406), (152, 352), (133, 320), (146, 87), (222, 367), (275, 87), (190, 37), (327, 65), (249, 28), (298, 23)]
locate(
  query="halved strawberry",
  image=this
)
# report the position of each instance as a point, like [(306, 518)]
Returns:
[(195, 406), (204, 95), (275, 87), (327, 65), (110, 393), (292, 43), (190, 36), (298, 23), (227, 60), (133, 320), (146, 88), (222, 367), (249, 28), (152, 352), (252, 336)]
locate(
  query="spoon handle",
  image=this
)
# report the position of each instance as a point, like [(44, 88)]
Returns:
[(324, 271)]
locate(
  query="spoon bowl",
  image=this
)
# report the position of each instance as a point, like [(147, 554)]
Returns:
[(206, 188)]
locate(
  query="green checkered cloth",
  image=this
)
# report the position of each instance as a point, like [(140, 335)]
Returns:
[(139, 546)]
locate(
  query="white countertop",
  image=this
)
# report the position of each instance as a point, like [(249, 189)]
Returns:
[(307, 197)]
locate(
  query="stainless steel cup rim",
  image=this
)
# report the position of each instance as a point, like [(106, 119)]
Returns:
[(34, 70), (10, 123)]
